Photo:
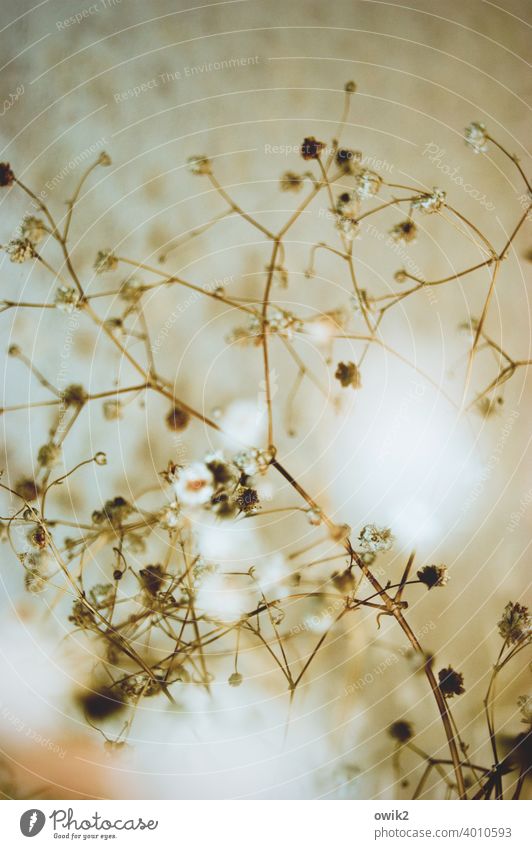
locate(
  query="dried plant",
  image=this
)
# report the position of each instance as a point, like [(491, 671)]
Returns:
[(148, 628)]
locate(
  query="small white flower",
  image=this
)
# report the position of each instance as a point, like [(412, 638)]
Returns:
[(476, 137), (372, 538), (112, 409), (33, 229), (405, 231), (131, 290), (253, 460), (66, 299), (347, 204), (169, 516), (105, 261), (348, 226), (430, 203), (348, 160), (199, 165), (368, 183), (20, 250), (194, 485)]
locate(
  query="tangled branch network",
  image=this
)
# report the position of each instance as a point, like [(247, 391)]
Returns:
[(155, 623)]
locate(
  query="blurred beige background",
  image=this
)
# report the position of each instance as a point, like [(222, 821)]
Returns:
[(141, 81)]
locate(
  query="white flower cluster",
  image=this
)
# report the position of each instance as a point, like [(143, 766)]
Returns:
[(373, 539), (476, 137), (66, 299), (367, 183), (252, 461), (20, 250), (430, 203), (194, 484), (33, 229), (105, 261)]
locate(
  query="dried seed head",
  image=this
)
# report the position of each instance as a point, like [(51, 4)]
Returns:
[(6, 174), (115, 511), (49, 455), (401, 730), (152, 579), (488, 407), (347, 205), (100, 704), (81, 616), (177, 419), (38, 537), (141, 684), (451, 682), (348, 375), (74, 395), (105, 261), (27, 488), (524, 703), (235, 679), (350, 87), (515, 624), (102, 595), (34, 582), (36, 564), (104, 159), (311, 148), (405, 231), (247, 500), (222, 471), (433, 576), (344, 582), (348, 160), (291, 182)]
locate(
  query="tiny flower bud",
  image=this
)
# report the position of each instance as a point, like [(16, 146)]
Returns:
[(311, 148), (402, 731), (451, 682), (6, 174)]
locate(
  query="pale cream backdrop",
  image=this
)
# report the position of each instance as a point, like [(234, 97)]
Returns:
[(141, 81)]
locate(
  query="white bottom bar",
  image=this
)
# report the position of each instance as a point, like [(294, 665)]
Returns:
[(266, 824)]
